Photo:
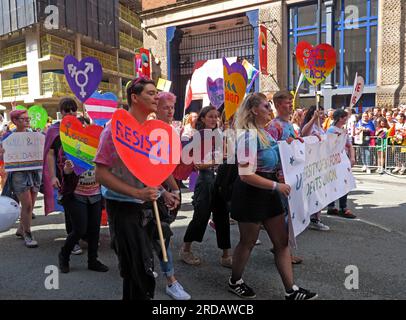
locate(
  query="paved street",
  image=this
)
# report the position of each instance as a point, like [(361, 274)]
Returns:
[(375, 243)]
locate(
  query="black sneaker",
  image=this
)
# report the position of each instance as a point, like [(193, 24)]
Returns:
[(300, 294), (63, 264), (241, 289), (97, 266)]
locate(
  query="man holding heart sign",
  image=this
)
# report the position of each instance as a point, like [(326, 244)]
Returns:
[(125, 152)]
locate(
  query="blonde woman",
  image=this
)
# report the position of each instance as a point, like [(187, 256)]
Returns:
[(256, 198)]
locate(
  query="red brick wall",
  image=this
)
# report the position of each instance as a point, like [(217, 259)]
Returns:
[(153, 4)]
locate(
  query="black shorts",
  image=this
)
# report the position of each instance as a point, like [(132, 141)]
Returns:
[(254, 205)]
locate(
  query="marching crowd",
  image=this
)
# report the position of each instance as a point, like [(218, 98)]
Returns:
[(256, 199)]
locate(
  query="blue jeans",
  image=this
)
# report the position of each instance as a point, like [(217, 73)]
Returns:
[(342, 201), (167, 267), (366, 156)]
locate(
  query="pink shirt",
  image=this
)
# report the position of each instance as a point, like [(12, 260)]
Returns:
[(107, 155)]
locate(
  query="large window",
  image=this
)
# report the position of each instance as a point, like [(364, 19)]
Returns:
[(303, 27), (357, 28), (355, 38)]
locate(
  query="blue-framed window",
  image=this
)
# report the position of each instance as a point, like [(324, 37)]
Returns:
[(355, 38)]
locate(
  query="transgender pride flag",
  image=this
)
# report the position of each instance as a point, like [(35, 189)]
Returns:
[(100, 107)]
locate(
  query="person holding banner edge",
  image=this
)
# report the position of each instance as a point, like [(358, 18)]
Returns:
[(340, 119), (256, 199), (310, 126), (280, 128)]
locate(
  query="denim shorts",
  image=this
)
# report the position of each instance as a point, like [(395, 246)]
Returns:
[(23, 181)]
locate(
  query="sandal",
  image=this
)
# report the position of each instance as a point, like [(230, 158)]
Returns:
[(332, 211), (188, 258), (346, 213), (226, 262), (296, 260)]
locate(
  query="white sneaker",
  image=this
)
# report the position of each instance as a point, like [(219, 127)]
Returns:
[(29, 240), (318, 225), (77, 250), (396, 170), (364, 168), (176, 291)]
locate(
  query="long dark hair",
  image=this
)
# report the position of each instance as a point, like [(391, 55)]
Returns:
[(309, 115), (203, 113)]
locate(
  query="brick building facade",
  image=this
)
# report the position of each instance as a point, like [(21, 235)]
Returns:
[(378, 42)]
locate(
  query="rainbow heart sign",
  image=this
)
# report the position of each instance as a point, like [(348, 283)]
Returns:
[(235, 85), (100, 107), (39, 117), (150, 151), (83, 76), (215, 91), (316, 63), (79, 143)]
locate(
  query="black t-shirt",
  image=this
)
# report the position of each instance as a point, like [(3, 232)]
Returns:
[(56, 146)]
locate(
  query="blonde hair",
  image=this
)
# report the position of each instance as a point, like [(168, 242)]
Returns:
[(280, 96), (245, 119)]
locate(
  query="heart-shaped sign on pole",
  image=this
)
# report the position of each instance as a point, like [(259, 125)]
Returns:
[(357, 90), (100, 107), (235, 85), (215, 91), (83, 77), (79, 143), (150, 151), (39, 117), (316, 63)]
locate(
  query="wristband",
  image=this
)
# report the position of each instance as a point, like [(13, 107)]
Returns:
[(176, 191), (275, 186)]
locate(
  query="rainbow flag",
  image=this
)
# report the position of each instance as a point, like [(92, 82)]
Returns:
[(391, 132), (79, 143), (252, 74), (100, 107)]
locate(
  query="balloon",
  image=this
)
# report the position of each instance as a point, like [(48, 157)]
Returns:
[(9, 213), (39, 117), (21, 108)]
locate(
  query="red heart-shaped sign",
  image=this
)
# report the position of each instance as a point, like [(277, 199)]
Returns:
[(316, 63), (150, 151)]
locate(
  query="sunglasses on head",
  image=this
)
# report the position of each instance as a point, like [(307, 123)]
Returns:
[(139, 79)]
